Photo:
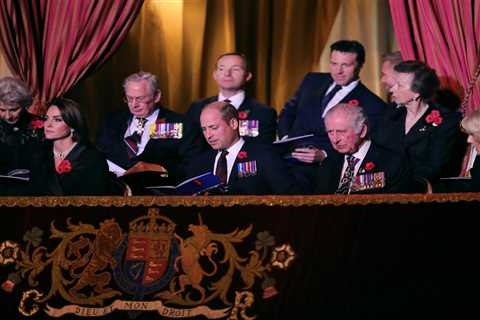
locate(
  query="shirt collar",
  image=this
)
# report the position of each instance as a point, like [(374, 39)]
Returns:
[(362, 151), (349, 87), (234, 149), (236, 100)]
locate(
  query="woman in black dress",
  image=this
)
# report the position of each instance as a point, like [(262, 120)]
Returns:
[(70, 165), (428, 133)]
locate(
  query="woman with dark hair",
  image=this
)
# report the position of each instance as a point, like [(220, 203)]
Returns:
[(428, 133), (70, 165)]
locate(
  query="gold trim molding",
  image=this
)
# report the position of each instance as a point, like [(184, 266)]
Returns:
[(229, 201)]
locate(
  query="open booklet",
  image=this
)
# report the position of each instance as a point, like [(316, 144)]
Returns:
[(290, 143), (17, 175), (189, 187)]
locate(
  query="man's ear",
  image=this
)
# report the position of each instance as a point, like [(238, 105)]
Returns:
[(233, 123), (364, 131), (248, 77), (158, 96)]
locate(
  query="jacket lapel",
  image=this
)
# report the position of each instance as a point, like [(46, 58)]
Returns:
[(317, 97), (418, 130)]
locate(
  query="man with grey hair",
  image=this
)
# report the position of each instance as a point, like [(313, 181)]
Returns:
[(147, 136), (358, 165), (19, 130)]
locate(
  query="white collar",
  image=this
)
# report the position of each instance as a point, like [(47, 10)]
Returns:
[(236, 100), (236, 147), (349, 87)]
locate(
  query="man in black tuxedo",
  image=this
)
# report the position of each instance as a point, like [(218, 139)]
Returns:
[(244, 167), (319, 92), (303, 114), (357, 164), (258, 122), (147, 136)]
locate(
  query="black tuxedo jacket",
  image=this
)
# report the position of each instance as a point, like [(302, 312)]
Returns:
[(271, 176), (88, 175), (19, 141), (302, 114), (267, 117), (398, 177), (432, 151), (172, 154)]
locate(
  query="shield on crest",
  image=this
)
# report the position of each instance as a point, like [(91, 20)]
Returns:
[(146, 257)]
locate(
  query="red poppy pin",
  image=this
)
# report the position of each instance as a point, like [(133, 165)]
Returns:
[(434, 118), (369, 166), (242, 115), (162, 120), (242, 155), (64, 167), (36, 124), (354, 102)]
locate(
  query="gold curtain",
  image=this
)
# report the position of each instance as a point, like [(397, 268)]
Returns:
[(4, 70), (179, 41), (370, 23)]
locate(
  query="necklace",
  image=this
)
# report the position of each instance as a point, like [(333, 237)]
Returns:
[(63, 154)]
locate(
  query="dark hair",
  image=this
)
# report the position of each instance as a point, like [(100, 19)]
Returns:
[(351, 46), (425, 81), (71, 115), (238, 54), (228, 112)]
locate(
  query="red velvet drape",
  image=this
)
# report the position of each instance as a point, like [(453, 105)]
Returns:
[(51, 44), (446, 35)]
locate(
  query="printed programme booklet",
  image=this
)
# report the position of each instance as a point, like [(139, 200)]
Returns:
[(290, 143), (192, 186), (17, 175)]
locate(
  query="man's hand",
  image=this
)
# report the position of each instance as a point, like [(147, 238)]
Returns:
[(309, 155), (146, 166)]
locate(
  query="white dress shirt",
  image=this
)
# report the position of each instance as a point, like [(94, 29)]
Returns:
[(151, 119), (360, 154), (235, 100), (342, 93), (233, 151)]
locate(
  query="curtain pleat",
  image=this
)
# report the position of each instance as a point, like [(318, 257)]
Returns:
[(52, 44)]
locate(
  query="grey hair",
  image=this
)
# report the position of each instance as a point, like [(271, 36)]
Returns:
[(15, 92), (355, 114), (471, 125), (142, 75)]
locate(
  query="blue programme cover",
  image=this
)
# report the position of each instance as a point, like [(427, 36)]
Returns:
[(189, 187)]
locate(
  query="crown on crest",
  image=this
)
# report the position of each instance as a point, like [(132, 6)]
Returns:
[(152, 224)]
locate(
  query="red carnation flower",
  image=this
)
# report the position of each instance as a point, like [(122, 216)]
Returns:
[(64, 167), (36, 124), (354, 102), (434, 118), (369, 166), (242, 155), (242, 115)]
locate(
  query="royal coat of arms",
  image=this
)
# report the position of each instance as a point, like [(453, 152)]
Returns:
[(150, 268)]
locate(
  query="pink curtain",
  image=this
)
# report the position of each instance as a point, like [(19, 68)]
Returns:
[(445, 34), (52, 44)]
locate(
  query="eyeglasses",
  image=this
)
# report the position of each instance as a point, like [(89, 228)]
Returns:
[(141, 99)]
